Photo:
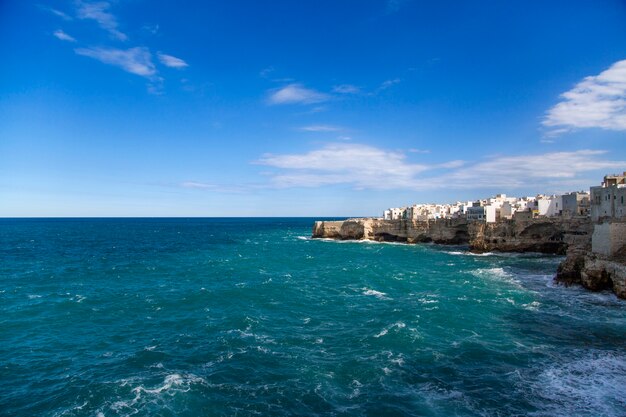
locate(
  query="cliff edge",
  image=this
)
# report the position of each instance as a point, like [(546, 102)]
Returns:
[(531, 235)]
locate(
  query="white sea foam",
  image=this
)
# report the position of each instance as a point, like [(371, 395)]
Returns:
[(468, 253), (532, 306), (498, 274), (33, 296), (377, 294), (398, 325), (590, 385), (425, 300)]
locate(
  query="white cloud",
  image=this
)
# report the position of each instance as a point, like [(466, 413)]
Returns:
[(522, 170), (367, 167), (296, 94), (98, 11), (597, 101), (59, 34), (388, 83), (56, 12), (171, 61), (346, 89), (265, 72), (360, 165), (321, 128), (134, 60), (197, 185)]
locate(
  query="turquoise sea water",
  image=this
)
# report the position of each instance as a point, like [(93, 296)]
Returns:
[(243, 317)]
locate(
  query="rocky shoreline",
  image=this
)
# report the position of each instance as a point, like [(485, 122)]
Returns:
[(562, 236)]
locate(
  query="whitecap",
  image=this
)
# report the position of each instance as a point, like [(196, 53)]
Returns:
[(497, 273), (398, 325), (532, 306), (378, 294), (589, 385)]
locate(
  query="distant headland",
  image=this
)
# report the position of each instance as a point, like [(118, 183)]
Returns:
[(588, 227)]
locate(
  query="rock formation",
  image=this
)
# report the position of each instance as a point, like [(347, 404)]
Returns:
[(532, 235), (593, 268)]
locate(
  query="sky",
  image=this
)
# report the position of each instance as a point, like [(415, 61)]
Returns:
[(304, 108)]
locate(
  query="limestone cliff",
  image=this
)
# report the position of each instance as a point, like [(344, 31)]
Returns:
[(533, 235), (408, 231), (594, 271), (545, 235)]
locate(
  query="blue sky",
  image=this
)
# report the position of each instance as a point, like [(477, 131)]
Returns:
[(325, 108)]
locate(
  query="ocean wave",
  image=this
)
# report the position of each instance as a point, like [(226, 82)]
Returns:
[(496, 273), (499, 254), (592, 384), (398, 325), (378, 294), (151, 398)]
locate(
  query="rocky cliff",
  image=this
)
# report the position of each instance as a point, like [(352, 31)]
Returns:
[(594, 271), (545, 235), (533, 235), (408, 231)]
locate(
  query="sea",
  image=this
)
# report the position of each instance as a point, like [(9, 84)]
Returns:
[(252, 317)]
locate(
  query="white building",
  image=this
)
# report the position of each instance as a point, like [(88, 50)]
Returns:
[(576, 204), (608, 201), (549, 206), (487, 214)]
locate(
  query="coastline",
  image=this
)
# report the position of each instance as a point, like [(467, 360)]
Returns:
[(571, 237)]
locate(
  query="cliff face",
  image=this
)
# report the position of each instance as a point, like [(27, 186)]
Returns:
[(534, 235), (543, 235), (594, 271), (408, 231)]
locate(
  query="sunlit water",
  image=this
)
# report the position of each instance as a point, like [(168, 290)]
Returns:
[(225, 317)]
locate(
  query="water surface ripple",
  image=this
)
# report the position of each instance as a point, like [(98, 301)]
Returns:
[(224, 317)]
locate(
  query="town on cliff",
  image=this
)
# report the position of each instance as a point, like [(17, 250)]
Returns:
[(588, 227)]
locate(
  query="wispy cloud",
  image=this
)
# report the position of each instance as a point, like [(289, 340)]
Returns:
[(296, 94), (59, 34), (346, 89), (56, 12), (197, 185), (203, 186), (171, 61), (547, 168), (321, 128), (367, 167), (360, 165), (597, 101), (98, 11), (136, 61), (265, 72), (388, 83)]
